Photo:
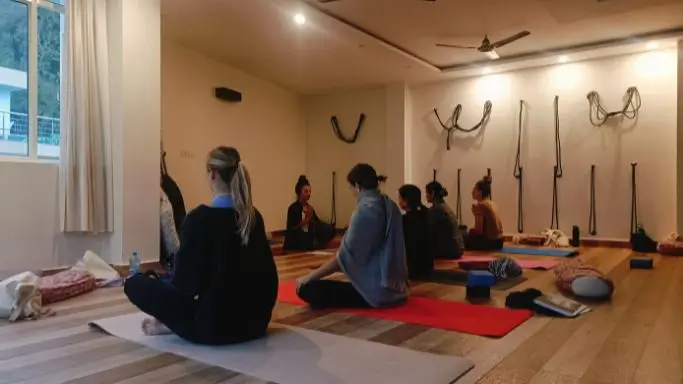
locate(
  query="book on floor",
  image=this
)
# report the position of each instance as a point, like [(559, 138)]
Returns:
[(561, 305)]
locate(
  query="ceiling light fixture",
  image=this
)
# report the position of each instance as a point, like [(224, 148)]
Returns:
[(486, 71), (562, 59), (300, 19), (493, 55), (652, 45)]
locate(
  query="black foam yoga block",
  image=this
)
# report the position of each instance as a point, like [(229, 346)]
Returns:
[(641, 263), (478, 292)]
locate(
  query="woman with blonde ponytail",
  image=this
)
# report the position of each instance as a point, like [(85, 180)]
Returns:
[(224, 283)]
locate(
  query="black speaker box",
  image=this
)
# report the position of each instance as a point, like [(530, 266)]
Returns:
[(227, 94)]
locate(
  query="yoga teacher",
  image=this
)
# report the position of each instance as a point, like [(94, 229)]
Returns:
[(305, 231), (487, 233), (224, 282), (372, 254)]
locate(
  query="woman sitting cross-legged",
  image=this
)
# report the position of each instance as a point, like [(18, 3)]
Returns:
[(445, 236), (487, 233), (305, 231), (419, 259), (224, 282), (372, 254)]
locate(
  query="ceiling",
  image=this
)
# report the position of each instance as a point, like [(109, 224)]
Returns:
[(355, 43)]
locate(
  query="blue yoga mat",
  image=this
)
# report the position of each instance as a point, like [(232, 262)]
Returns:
[(540, 251)]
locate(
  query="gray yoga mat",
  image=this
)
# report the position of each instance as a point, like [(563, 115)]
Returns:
[(291, 355)]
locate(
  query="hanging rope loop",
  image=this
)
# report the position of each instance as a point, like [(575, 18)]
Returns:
[(517, 173), (452, 125), (601, 115), (592, 223), (557, 168), (337, 130), (434, 176)]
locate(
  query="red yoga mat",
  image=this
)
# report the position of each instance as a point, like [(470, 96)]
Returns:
[(479, 320)]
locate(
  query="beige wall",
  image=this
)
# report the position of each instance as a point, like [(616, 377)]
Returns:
[(651, 142), (267, 127), (325, 153)]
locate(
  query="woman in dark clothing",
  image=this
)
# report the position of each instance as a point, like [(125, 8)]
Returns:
[(445, 235), (305, 231), (418, 257), (224, 283), (487, 233)]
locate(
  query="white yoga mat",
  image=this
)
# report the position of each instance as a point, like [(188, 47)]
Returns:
[(291, 355)]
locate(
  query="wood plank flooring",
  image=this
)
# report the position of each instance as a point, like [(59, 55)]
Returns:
[(635, 338)]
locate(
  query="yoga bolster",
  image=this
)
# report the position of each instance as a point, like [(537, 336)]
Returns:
[(480, 278), (65, 285), (670, 248), (475, 265), (582, 280), (641, 263), (536, 240)]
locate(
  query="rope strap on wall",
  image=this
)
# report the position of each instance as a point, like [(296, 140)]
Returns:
[(630, 110), (592, 226), (451, 124), (634, 199), (458, 201), (333, 215), (337, 130), (434, 177), (557, 169), (488, 173), (517, 173)]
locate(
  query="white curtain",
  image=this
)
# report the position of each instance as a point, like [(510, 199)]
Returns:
[(85, 175)]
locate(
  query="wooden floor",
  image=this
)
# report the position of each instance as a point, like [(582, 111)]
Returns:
[(637, 338)]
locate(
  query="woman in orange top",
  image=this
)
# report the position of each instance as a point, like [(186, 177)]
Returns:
[(487, 234)]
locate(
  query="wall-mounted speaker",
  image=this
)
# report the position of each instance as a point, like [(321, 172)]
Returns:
[(227, 94)]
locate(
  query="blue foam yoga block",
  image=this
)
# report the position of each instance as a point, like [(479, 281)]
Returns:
[(480, 278), (641, 263)]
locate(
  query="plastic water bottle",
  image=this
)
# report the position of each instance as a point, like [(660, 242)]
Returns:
[(134, 266)]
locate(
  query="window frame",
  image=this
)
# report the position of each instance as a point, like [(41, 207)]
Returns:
[(32, 80)]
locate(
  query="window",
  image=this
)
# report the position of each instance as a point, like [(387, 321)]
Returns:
[(31, 50)]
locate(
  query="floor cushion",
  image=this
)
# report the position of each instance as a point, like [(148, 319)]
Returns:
[(66, 284), (670, 248)]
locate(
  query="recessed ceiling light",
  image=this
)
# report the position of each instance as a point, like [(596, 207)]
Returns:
[(300, 19), (486, 70), (652, 45), (562, 59)]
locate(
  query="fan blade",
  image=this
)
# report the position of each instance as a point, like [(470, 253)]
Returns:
[(454, 46), (510, 39)]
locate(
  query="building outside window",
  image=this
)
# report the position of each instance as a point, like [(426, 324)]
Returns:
[(31, 51)]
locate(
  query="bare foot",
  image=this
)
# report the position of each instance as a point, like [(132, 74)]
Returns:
[(153, 327)]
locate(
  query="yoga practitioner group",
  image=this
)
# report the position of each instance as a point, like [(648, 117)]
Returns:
[(224, 282)]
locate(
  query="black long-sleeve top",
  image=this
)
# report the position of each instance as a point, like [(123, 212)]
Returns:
[(235, 285), (418, 257)]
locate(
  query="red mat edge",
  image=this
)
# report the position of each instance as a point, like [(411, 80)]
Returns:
[(287, 294)]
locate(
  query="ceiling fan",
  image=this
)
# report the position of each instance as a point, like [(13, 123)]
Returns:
[(488, 48)]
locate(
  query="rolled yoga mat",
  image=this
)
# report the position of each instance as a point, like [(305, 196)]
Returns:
[(479, 320), (557, 252), (291, 355)]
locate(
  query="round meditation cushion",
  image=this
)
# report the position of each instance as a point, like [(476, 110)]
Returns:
[(582, 280), (670, 248)]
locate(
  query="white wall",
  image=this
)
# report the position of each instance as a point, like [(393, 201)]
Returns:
[(267, 127), (326, 153), (650, 141)]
